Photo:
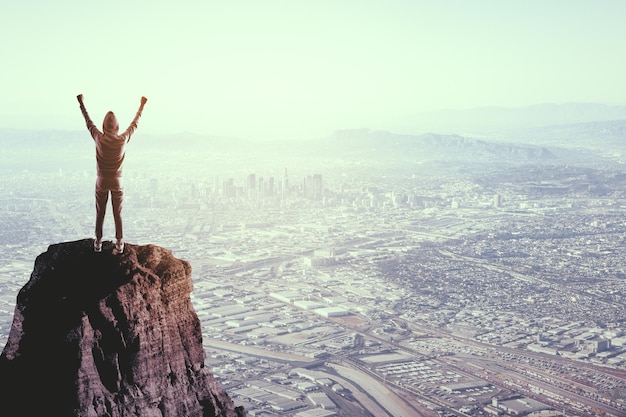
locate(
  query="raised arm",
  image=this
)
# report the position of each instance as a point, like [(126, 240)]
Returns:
[(93, 129), (133, 125)]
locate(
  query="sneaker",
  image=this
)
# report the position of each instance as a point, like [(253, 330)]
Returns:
[(119, 246), (97, 245)]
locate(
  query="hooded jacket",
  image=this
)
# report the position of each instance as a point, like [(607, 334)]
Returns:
[(110, 146)]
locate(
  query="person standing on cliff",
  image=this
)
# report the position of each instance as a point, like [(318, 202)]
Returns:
[(110, 153)]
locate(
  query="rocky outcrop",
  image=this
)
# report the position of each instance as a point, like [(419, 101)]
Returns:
[(106, 334)]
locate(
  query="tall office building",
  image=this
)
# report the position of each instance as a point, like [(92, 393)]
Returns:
[(251, 181), (497, 201), (251, 186), (228, 188), (261, 190), (312, 187), (285, 189), (318, 187)]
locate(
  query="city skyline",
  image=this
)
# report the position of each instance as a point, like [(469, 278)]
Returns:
[(422, 287), (440, 230)]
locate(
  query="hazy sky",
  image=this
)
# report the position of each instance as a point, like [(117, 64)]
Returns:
[(266, 68)]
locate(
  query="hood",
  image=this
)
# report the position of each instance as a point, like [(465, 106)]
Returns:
[(110, 125)]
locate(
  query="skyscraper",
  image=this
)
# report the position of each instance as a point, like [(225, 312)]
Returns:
[(317, 187), (285, 189), (251, 181)]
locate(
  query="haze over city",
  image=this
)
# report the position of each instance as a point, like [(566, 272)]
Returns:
[(400, 208), (293, 70)]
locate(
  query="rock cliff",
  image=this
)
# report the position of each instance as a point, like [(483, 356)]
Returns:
[(105, 334)]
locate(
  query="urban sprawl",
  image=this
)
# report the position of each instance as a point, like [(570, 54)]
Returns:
[(324, 293)]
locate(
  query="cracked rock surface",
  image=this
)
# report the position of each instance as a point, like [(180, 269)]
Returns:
[(107, 334)]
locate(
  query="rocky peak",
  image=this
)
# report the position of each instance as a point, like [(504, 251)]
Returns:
[(105, 334)]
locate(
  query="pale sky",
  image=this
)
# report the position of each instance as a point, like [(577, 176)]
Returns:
[(301, 69)]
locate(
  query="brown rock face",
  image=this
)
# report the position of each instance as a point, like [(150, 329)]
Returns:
[(104, 334)]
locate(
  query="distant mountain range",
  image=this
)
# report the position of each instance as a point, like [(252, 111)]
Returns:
[(497, 121), (607, 136), (503, 136), (429, 147)]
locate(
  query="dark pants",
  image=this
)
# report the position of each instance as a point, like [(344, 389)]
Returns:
[(104, 186)]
